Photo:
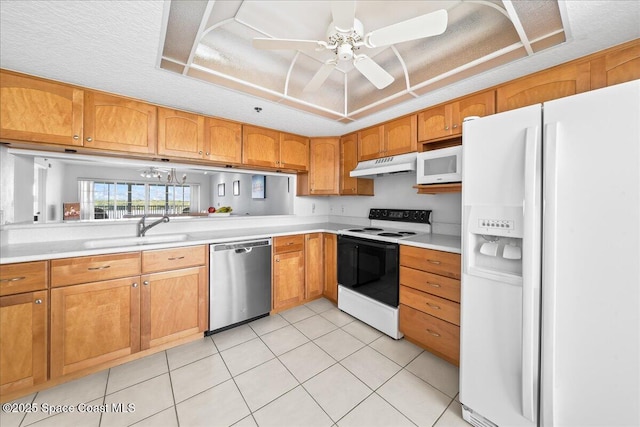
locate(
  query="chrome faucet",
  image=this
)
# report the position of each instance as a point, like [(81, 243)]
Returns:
[(142, 228)]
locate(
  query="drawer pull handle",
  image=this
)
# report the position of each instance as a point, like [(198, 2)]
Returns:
[(435, 334), (433, 261), (103, 267), (14, 279), (176, 258), (289, 243), (433, 285), (436, 307)]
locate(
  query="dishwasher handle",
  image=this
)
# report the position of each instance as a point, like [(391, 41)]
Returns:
[(242, 246)]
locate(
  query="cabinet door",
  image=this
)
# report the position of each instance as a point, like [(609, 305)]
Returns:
[(260, 147), (294, 152), (330, 246), (435, 122), (482, 104), (23, 346), (324, 165), (555, 83), (348, 162), (36, 110), (288, 279), (119, 124), (223, 141), (370, 143), (401, 136), (180, 134), (174, 306), (313, 265), (616, 67), (94, 323)]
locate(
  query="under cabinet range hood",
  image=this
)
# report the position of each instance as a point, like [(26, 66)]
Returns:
[(386, 165)]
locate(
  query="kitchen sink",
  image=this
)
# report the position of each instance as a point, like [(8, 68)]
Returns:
[(131, 241)]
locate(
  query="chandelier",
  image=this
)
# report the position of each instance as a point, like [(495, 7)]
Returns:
[(172, 175)]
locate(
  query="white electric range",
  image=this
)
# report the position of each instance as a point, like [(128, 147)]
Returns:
[(369, 265)]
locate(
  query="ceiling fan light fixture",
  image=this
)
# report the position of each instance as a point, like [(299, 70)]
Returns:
[(345, 52)]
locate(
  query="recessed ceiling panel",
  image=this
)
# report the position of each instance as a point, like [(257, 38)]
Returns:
[(479, 35)]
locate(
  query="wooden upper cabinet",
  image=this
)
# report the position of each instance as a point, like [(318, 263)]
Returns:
[(445, 120), (400, 136), (260, 146), (294, 152), (558, 82), (370, 143), (348, 162), (223, 141), (324, 165), (180, 134), (36, 110), (119, 124), (615, 67)]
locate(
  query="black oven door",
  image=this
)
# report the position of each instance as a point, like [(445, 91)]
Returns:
[(370, 268)]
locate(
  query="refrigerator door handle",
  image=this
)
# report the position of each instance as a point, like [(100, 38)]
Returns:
[(531, 269), (548, 341)]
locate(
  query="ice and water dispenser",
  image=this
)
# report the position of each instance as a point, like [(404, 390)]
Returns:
[(493, 241)]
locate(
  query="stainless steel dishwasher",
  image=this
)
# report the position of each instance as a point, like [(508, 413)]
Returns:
[(239, 282)]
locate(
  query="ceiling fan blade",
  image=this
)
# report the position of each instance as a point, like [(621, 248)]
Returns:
[(307, 45), (372, 71), (427, 25), (319, 78), (343, 12)]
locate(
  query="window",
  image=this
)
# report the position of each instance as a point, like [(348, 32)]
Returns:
[(114, 200)]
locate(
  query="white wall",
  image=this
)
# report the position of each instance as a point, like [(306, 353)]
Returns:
[(397, 192), (278, 200)]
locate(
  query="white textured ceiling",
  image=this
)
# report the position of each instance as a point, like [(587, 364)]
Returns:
[(115, 45)]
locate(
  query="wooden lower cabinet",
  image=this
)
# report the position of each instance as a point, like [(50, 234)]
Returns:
[(430, 300), (313, 265), (94, 323), (23, 345), (330, 244), (173, 306), (288, 279)]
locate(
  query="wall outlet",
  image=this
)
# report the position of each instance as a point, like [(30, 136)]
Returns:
[(313, 208), (342, 209)]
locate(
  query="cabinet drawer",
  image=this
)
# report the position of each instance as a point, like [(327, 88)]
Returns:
[(435, 284), (431, 304), (438, 336), (72, 271), (438, 262), (284, 244), (173, 259), (23, 277)]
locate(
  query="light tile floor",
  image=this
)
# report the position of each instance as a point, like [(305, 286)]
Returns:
[(312, 365)]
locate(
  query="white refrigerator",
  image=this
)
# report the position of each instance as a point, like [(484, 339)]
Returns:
[(550, 309)]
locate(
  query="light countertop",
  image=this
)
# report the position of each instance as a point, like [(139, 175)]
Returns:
[(74, 248)]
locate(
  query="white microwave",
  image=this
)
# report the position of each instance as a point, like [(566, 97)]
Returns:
[(440, 166)]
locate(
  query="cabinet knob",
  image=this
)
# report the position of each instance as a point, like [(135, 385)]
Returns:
[(135, 285), (455, 126), (200, 152), (76, 137), (446, 128), (38, 301), (207, 153), (277, 259), (146, 283), (89, 139)]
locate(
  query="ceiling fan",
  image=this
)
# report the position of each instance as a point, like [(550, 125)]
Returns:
[(346, 34)]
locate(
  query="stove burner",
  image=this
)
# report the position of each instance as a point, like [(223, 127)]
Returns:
[(390, 234), (357, 229), (373, 229), (407, 233)]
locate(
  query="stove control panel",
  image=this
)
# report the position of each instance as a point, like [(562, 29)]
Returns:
[(404, 215)]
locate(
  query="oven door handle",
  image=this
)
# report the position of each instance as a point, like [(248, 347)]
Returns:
[(374, 244)]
